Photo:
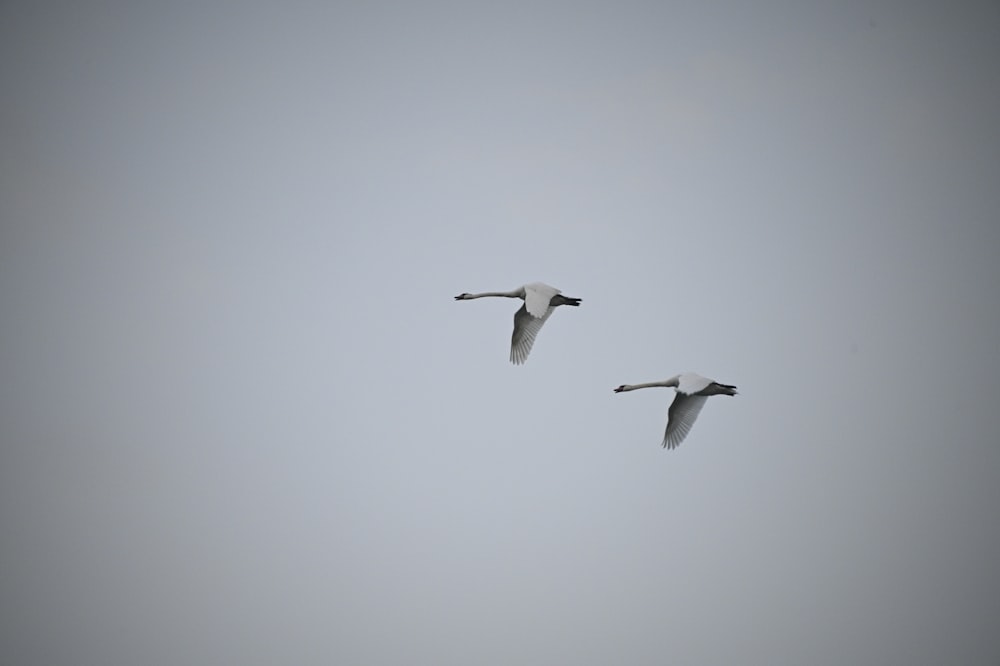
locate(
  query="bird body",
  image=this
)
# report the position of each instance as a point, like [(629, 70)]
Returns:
[(692, 390), (540, 300)]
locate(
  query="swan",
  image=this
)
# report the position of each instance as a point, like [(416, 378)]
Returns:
[(692, 392), (540, 300)]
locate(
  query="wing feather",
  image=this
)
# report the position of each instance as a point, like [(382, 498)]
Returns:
[(526, 327), (680, 417)]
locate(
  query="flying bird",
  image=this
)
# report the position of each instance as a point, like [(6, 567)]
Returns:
[(540, 300), (692, 392)]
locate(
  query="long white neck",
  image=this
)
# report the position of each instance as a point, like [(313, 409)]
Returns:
[(666, 382), (516, 293)]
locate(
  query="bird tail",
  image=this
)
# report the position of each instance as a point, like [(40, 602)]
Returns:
[(722, 389), (566, 300)]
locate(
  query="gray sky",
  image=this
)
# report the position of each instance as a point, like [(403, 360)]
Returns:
[(244, 422)]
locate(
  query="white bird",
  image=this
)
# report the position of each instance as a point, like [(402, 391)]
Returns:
[(539, 302), (692, 392)]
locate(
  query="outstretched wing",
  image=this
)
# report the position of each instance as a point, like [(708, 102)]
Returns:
[(537, 297), (526, 327), (680, 417), (691, 383)]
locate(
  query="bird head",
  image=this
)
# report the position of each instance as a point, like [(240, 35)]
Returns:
[(463, 296), (620, 389)]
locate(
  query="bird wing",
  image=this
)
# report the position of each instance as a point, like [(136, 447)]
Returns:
[(691, 383), (537, 297), (680, 417), (526, 327)]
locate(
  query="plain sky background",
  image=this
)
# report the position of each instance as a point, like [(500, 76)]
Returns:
[(244, 422)]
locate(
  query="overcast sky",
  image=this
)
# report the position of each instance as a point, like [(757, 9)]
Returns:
[(244, 422)]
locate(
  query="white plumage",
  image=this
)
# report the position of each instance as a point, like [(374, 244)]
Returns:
[(692, 390), (540, 300)]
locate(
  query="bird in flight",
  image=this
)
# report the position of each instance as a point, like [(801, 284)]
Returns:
[(692, 390), (540, 300)]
